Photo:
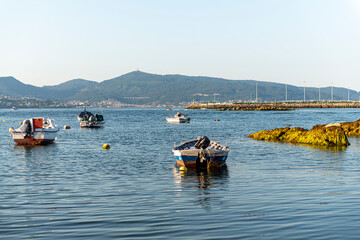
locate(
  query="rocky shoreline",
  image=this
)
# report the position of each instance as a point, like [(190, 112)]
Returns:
[(330, 135)]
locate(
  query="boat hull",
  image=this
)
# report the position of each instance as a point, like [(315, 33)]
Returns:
[(36, 138), (91, 124), (191, 159), (178, 120)]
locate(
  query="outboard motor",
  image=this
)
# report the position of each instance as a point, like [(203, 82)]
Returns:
[(27, 125), (202, 143)]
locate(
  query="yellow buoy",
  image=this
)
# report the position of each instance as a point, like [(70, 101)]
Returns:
[(4, 120), (11, 129), (106, 146), (20, 123), (67, 127), (182, 168)]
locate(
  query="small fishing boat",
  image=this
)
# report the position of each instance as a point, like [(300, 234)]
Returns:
[(179, 118), (35, 131), (89, 120), (13, 108), (200, 153)]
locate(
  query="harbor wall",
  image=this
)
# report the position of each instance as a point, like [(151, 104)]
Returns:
[(281, 106)]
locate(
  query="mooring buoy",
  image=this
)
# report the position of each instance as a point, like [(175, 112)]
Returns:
[(106, 146), (183, 168)]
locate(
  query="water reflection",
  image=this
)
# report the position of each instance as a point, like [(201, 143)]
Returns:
[(330, 149), (206, 182), (33, 150), (35, 161)]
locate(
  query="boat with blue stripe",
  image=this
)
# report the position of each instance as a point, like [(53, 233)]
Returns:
[(200, 153)]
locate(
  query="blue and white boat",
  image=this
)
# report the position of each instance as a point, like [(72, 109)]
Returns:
[(89, 120), (200, 153)]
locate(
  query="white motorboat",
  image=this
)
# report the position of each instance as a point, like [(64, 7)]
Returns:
[(35, 131), (178, 118)]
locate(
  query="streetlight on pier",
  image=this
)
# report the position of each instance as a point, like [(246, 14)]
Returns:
[(285, 92), (304, 91), (256, 91), (215, 94), (332, 91)]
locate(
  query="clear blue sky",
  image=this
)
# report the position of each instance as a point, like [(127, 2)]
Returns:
[(311, 42)]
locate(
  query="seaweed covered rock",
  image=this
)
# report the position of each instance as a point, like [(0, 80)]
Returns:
[(352, 129), (319, 135)]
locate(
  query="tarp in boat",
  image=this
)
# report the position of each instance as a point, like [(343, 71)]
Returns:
[(85, 114)]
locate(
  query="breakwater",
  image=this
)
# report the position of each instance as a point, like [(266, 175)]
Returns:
[(281, 106)]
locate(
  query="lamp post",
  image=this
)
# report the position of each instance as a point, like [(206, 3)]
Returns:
[(215, 94), (256, 91), (285, 92), (332, 91), (304, 91)]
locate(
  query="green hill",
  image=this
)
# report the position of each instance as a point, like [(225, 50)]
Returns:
[(145, 88), (12, 87)]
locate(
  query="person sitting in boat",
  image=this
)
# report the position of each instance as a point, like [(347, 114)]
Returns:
[(92, 118)]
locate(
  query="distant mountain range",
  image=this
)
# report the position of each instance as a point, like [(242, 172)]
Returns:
[(145, 88)]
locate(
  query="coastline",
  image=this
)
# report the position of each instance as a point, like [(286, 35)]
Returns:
[(274, 106)]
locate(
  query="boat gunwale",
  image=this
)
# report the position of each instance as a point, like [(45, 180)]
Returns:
[(192, 142)]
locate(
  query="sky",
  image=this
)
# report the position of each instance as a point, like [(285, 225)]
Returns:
[(304, 43)]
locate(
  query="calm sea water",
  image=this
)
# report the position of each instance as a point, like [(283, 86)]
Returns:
[(75, 189)]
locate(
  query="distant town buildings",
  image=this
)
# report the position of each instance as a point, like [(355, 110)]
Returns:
[(27, 102)]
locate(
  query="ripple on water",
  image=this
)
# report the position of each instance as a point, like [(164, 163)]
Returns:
[(75, 189)]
